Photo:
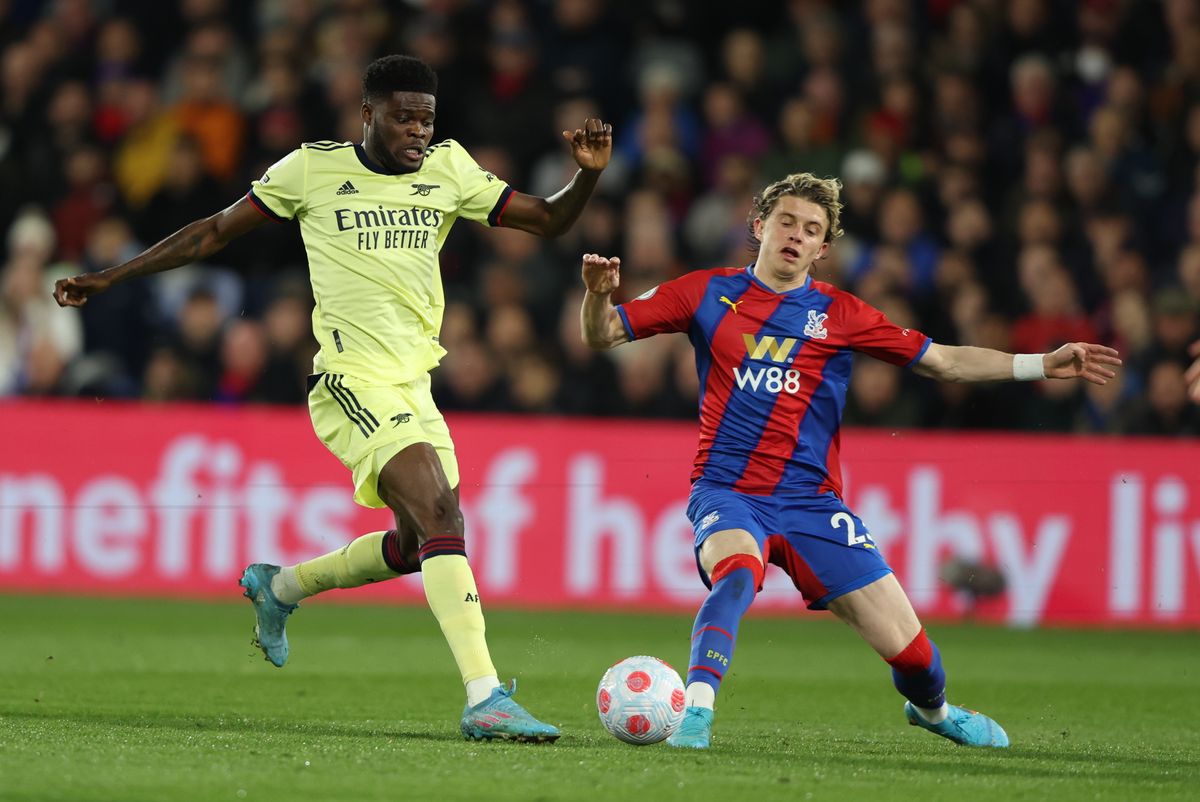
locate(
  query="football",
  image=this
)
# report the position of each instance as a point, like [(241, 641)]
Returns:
[(640, 700)]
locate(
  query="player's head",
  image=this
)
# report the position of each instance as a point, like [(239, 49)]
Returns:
[(399, 105), (794, 221)]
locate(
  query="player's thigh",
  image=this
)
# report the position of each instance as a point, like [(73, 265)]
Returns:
[(420, 481), (434, 429), (366, 426), (824, 548), (414, 485), (724, 544), (726, 523), (881, 613)]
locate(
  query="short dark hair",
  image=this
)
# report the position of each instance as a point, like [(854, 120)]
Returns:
[(398, 74)]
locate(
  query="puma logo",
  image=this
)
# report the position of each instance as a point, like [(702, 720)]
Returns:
[(731, 304)]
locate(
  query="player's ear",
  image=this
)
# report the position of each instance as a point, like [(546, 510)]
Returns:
[(824, 251), (758, 227), (367, 112)]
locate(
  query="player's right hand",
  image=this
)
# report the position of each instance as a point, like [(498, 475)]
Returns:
[(600, 275), (76, 290)]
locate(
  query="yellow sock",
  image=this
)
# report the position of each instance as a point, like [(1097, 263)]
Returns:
[(453, 598), (352, 565)]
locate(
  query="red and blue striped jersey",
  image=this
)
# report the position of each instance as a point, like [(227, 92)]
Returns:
[(774, 371)]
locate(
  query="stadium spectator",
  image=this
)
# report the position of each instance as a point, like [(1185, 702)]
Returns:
[(1164, 408), (1192, 376), (36, 346), (206, 111), (1009, 124)]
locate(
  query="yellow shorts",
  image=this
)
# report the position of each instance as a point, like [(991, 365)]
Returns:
[(365, 425)]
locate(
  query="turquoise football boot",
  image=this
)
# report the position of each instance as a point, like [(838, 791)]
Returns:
[(963, 726), (270, 613), (498, 716), (695, 731)]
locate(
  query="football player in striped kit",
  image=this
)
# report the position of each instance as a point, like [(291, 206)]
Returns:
[(774, 350)]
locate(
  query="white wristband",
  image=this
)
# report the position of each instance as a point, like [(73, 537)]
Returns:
[(1028, 367)]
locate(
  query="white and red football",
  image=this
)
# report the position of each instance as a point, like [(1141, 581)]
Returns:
[(640, 700)]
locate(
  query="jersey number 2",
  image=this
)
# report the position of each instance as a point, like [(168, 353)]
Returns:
[(852, 536)]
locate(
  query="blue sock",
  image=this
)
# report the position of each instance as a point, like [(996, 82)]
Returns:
[(918, 674), (715, 630)]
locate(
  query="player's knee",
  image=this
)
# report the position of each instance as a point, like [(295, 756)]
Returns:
[(752, 562), (439, 517)]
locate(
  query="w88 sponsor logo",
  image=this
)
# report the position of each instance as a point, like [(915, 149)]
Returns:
[(773, 380)]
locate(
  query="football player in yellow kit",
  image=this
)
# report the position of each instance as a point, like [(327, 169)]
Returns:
[(373, 216)]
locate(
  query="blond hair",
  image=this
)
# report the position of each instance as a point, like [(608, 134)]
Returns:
[(825, 192)]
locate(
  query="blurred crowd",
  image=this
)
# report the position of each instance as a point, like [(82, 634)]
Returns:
[(1017, 175)]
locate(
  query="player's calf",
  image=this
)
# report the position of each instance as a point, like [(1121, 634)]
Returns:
[(918, 674), (735, 581)]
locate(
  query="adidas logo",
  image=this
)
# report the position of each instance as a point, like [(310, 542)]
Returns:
[(347, 189)]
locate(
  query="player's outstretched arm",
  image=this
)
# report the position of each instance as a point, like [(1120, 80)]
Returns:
[(191, 243), (598, 318), (963, 363), (591, 147)]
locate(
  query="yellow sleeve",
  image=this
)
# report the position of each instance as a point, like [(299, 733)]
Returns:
[(279, 194), (482, 196)]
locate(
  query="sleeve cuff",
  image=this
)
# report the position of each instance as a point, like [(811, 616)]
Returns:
[(501, 204), (263, 209), (920, 353), (625, 322)]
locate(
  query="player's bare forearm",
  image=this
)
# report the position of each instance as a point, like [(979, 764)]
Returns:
[(964, 363), (591, 148), (566, 205), (600, 322), (192, 243), (552, 216)]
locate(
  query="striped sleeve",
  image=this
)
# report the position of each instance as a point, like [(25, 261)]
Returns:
[(482, 196), (868, 330), (669, 307)]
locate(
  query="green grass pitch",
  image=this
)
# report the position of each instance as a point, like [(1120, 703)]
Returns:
[(154, 700)]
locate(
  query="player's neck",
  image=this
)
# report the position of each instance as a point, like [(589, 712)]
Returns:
[(780, 282), (376, 161)]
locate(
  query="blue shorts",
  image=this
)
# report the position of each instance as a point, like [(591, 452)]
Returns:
[(816, 540)]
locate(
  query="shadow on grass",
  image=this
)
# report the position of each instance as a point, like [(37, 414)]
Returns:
[(230, 724), (1018, 763)]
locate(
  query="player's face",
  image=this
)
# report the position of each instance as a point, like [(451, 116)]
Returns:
[(397, 130), (792, 236)]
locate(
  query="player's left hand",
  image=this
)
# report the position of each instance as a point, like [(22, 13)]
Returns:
[(601, 276), (591, 146), (1192, 376), (1089, 361)]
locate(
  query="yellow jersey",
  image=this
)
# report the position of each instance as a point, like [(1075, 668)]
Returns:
[(372, 240)]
